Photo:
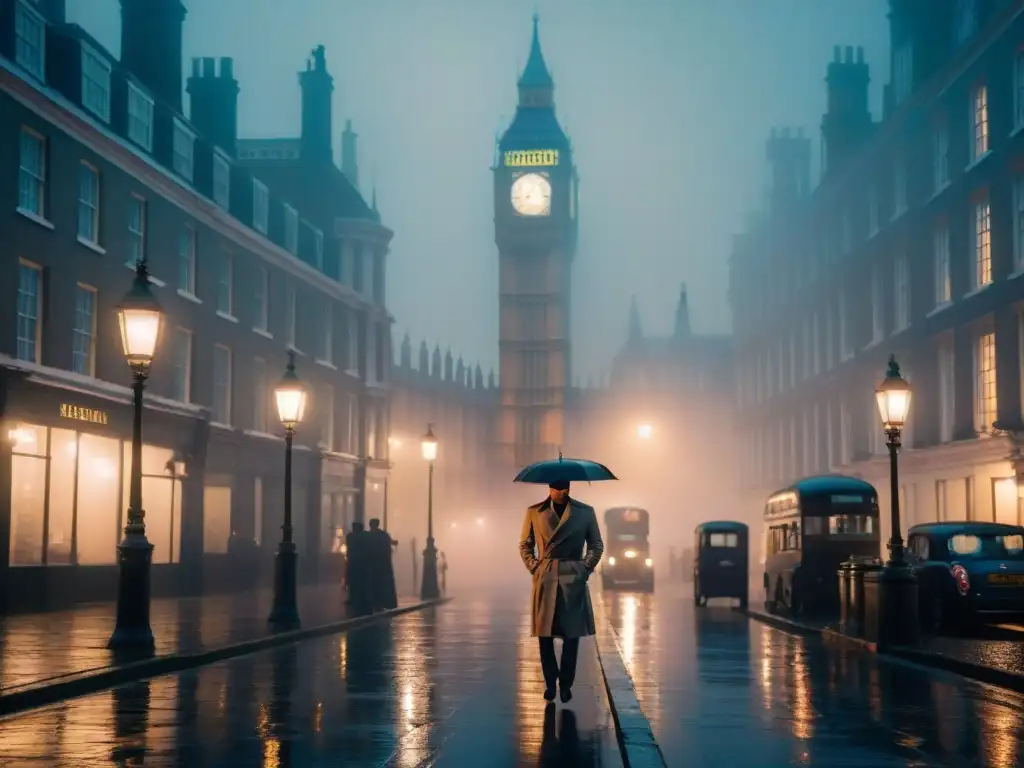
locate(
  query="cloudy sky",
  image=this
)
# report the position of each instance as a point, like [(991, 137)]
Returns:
[(668, 103)]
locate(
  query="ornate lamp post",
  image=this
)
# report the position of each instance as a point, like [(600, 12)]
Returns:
[(897, 582), (290, 395), (428, 586), (140, 318)]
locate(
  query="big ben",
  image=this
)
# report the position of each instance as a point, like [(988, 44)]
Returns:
[(535, 227)]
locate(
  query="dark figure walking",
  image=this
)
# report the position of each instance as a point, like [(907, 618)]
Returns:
[(442, 572), (359, 576), (551, 545), (385, 595)]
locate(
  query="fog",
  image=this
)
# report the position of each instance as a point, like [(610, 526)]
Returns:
[(668, 104)]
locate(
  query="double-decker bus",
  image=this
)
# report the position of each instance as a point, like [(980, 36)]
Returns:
[(627, 562)]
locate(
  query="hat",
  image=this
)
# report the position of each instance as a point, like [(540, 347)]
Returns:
[(559, 485)]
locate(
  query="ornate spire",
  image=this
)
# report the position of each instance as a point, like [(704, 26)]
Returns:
[(448, 365), (424, 363), (460, 371), (535, 84), (636, 331), (435, 362), (478, 377), (405, 354), (490, 380), (682, 314)]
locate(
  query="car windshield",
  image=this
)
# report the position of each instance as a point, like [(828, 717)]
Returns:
[(986, 546)]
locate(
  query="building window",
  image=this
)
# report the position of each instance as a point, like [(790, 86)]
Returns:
[(816, 344), (32, 173), (947, 383), (30, 40), (844, 328), (1018, 89), (136, 230), (260, 206), (873, 211), (140, 118), (982, 243), (216, 519), (290, 310), (940, 251), (979, 121), (259, 394), (352, 348), (181, 355), (88, 203), (261, 303), (899, 186), (325, 415), (902, 72), (901, 293), (225, 288), (183, 159), (221, 181), (965, 20), (1018, 223), (318, 249), (325, 337), (291, 229), (877, 306), (187, 260), (83, 353), (940, 156), (221, 384), (95, 83), (30, 305), (985, 382)]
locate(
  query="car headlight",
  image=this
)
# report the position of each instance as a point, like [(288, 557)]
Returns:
[(629, 553), (611, 561), (649, 562)]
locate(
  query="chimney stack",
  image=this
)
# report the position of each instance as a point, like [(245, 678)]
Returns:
[(317, 93), (151, 46), (213, 99), (350, 155)]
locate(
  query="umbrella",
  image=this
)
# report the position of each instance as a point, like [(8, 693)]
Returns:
[(562, 469)]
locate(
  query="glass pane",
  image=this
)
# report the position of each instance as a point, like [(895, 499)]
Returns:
[(63, 462), (176, 523), (216, 519), (154, 462), (28, 500), (965, 544), (99, 499), (29, 439), (156, 500)]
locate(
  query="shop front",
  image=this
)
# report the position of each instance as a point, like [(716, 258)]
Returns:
[(339, 507), (65, 465)]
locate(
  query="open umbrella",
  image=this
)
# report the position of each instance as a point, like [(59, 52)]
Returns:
[(563, 470)]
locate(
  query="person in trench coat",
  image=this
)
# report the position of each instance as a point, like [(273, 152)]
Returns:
[(552, 547)]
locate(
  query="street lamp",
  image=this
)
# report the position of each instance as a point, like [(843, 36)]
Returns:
[(644, 431), (897, 608), (428, 586), (140, 318), (290, 395)]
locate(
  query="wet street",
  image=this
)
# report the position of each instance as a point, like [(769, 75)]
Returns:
[(722, 690), (460, 686)]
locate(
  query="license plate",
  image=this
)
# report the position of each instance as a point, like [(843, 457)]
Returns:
[(1006, 579), (726, 563)]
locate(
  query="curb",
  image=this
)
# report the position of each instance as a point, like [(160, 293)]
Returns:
[(981, 673), (637, 745), (82, 684)]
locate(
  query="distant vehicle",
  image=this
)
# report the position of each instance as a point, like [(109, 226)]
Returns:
[(627, 555), (967, 571), (809, 529), (721, 567)]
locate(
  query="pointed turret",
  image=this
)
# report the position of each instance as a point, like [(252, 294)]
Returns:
[(448, 365), (460, 371), (374, 212), (536, 88), (478, 377), (405, 355), (682, 314), (490, 379), (435, 362), (636, 331), (424, 363)]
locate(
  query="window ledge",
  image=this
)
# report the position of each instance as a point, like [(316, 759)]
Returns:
[(153, 280), (873, 343), (1016, 130), (978, 161), (1015, 274), (899, 214), (35, 217), (220, 425), (353, 374), (940, 308), (261, 332), (293, 348), (262, 435), (946, 185), (189, 296), (326, 364), (976, 291), (226, 316), (94, 247)]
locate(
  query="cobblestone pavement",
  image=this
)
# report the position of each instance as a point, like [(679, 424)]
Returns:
[(38, 647), (722, 690), (459, 685)]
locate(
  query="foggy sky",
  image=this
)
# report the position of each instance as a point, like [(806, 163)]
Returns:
[(668, 104)]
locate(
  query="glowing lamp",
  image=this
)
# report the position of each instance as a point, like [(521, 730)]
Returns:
[(644, 431), (429, 444), (893, 396), (140, 317), (290, 395)]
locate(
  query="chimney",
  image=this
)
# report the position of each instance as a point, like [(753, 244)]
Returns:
[(151, 46), (350, 155), (847, 123), (213, 102), (317, 89), (789, 158)]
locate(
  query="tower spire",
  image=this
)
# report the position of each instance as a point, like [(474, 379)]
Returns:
[(636, 331), (536, 87), (682, 314)]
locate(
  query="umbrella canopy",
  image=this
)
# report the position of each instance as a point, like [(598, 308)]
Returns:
[(564, 470)]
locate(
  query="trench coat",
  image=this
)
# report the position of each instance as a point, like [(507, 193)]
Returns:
[(559, 568)]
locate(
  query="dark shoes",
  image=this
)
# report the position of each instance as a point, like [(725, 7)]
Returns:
[(549, 694), (565, 694)]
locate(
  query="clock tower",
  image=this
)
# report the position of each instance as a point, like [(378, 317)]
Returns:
[(535, 230)]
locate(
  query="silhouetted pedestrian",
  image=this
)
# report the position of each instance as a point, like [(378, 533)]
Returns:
[(442, 571), (385, 595), (359, 572)]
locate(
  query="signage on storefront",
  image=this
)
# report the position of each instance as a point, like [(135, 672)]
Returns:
[(80, 413)]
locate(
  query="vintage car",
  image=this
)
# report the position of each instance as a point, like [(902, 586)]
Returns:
[(967, 571), (720, 567)]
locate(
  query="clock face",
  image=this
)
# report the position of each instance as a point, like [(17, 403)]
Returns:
[(531, 195)]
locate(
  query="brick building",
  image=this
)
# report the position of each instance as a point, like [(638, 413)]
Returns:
[(102, 168), (912, 245)]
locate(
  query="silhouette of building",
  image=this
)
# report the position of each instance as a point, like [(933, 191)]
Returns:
[(247, 264), (909, 245)]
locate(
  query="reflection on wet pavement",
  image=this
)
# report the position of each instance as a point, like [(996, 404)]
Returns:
[(722, 690), (458, 685)]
